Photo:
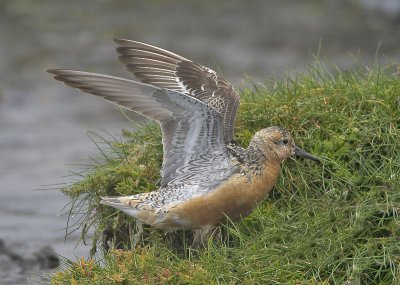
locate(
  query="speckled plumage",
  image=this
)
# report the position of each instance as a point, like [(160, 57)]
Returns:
[(205, 176)]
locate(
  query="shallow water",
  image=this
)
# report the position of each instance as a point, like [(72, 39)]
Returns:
[(43, 124), (37, 142)]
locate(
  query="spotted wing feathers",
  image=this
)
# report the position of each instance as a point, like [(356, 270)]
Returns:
[(159, 67), (192, 131)]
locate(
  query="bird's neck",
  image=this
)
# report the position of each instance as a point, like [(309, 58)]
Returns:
[(258, 170), (254, 155), (262, 170), (251, 157), (257, 166)]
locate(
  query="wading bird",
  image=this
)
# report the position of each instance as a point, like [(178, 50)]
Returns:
[(206, 177)]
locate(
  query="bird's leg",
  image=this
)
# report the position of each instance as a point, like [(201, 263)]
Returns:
[(200, 237), (169, 238), (217, 232), (139, 234), (196, 238)]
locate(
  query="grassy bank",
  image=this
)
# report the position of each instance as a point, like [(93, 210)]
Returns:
[(322, 224)]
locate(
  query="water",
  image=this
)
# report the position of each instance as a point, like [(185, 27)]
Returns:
[(38, 140)]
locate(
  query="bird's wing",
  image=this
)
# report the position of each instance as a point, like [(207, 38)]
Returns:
[(192, 131), (162, 68)]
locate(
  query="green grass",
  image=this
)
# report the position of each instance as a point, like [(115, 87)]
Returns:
[(322, 224)]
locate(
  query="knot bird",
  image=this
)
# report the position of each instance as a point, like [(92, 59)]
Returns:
[(205, 176)]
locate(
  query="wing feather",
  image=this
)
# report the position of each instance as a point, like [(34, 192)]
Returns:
[(162, 68), (192, 131)]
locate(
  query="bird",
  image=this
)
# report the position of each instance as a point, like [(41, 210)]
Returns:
[(207, 177)]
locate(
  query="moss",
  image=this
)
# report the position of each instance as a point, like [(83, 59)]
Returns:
[(322, 224)]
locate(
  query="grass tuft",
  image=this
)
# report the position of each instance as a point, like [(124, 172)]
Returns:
[(322, 224)]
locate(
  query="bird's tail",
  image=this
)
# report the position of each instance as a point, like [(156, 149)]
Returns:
[(130, 205), (127, 204), (116, 202)]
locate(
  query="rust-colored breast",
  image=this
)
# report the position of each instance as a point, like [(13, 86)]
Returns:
[(235, 198)]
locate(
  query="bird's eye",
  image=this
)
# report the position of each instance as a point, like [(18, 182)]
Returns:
[(285, 141)]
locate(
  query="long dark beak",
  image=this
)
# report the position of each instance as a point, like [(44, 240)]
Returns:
[(300, 152)]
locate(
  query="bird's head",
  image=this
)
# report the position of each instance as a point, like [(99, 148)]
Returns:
[(276, 143)]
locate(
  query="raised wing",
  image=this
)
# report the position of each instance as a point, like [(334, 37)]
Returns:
[(164, 69), (192, 131)]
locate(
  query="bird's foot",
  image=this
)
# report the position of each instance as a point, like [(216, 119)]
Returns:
[(137, 237), (201, 236)]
